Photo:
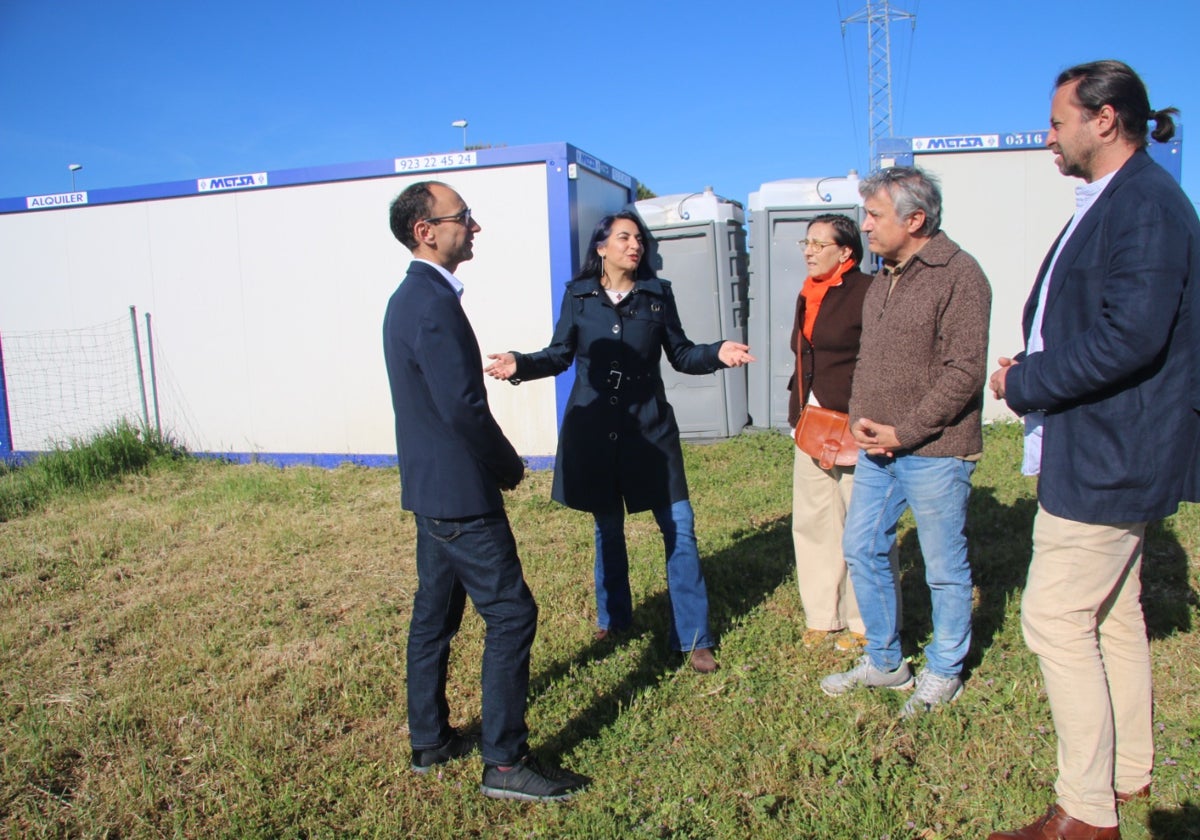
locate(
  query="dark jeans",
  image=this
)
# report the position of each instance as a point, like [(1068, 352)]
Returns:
[(474, 557)]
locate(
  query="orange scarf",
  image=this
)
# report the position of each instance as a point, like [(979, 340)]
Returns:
[(814, 292)]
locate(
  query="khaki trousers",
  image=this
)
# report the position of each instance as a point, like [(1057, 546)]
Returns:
[(819, 501), (1082, 616)]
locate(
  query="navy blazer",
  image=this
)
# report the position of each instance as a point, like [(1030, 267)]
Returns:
[(453, 456), (1116, 378)]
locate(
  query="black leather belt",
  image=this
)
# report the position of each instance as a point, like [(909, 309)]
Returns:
[(617, 378)]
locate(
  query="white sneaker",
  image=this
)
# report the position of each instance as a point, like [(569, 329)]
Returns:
[(866, 674), (932, 690)]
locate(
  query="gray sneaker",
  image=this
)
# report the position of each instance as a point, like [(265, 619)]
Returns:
[(530, 782), (932, 690), (866, 674)]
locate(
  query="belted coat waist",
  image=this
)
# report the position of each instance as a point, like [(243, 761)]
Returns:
[(619, 442)]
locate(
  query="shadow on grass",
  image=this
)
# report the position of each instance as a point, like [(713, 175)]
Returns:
[(738, 578), (1167, 597), (1000, 539), (1182, 823)]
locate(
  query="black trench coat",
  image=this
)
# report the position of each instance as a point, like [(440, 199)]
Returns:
[(619, 442)]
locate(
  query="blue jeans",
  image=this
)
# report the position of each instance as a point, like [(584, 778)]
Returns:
[(685, 581), (474, 557), (937, 490)]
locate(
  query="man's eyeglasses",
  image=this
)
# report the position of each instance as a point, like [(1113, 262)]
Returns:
[(463, 216), (815, 244)]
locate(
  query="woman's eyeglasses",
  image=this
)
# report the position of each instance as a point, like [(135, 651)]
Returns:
[(815, 244)]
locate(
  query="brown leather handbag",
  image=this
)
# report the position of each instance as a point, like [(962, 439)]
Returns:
[(825, 435)]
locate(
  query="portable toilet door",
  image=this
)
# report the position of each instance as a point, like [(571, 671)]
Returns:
[(777, 273), (700, 246)]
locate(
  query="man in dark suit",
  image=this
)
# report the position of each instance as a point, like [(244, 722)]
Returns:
[(1107, 387), (454, 461)]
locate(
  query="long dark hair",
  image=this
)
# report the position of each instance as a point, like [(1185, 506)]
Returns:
[(593, 265)]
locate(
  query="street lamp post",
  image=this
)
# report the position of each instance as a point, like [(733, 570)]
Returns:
[(74, 167), (463, 125)]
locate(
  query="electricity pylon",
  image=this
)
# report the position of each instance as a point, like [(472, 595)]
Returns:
[(878, 15)]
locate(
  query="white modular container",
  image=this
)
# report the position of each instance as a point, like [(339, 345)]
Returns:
[(268, 290)]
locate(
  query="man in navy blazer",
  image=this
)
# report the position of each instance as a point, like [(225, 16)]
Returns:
[(1107, 388), (454, 461)]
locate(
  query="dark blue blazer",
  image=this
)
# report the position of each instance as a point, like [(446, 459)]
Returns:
[(1117, 378), (453, 457)]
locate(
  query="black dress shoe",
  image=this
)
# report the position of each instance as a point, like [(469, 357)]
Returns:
[(456, 746)]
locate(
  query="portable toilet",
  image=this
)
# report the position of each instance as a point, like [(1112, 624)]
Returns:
[(701, 248), (779, 215)]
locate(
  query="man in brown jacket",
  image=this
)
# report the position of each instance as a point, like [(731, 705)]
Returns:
[(916, 410)]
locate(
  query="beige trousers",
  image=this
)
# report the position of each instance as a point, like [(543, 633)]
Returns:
[(819, 501), (1082, 617)]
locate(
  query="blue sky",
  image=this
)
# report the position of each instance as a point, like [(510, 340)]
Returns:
[(678, 93)]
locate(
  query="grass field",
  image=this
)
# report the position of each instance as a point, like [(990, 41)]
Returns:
[(206, 650)]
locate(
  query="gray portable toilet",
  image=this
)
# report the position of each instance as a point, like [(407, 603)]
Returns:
[(779, 215), (701, 249)]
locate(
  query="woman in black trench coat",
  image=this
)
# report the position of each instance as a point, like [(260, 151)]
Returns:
[(618, 448)]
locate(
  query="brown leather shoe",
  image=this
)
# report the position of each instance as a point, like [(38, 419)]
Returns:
[(850, 641), (606, 634), (812, 637), (1056, 825), (702, 661), (1141, 793)]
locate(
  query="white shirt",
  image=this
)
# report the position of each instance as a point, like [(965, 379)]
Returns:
[(1085, 197), (454, 282)]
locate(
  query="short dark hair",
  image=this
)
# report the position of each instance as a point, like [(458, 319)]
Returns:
[(592, 264), (845, 232), (911, 189), (1114, 83), (410, 207)]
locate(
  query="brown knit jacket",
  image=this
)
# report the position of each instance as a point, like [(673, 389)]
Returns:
[(922, 360)]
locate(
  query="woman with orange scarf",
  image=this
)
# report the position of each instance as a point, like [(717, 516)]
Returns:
[(825, 338)]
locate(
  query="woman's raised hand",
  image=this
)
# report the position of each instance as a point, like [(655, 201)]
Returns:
[(733, 354), (503, 366)]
